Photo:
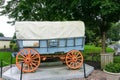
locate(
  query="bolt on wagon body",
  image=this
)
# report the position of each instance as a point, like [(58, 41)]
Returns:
[(41, 40)]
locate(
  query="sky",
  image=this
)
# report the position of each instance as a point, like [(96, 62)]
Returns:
[(5, 28)]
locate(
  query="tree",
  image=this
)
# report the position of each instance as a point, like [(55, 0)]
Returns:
[(97, 14), (100, 14), (2, 2), (114, 32), (13, 44), (1, 35), (39, 10)]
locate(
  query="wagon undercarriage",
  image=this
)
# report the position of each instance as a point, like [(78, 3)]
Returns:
[(31, 59)]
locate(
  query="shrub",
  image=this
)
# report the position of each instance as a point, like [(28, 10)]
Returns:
[(113, 67), (14, 46), (116, 59)]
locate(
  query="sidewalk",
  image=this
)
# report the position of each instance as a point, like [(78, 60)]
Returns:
[(100, 75), (95, 75)]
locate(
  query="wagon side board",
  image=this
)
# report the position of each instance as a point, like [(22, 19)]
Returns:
[(52, 46)]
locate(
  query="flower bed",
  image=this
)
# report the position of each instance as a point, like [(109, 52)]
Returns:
[(112, 68)]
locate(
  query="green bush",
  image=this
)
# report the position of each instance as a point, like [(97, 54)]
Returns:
[(116, 59), (14, 46), (113, 67)]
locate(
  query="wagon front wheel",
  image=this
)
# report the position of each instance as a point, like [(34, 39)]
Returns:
[(30, 59), (74, 59)]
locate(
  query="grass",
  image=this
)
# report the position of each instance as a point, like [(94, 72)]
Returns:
[(91, 49), (94, 49), (6, 58)]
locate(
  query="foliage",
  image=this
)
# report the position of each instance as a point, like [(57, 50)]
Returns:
[(97, 14), (101, 13), (40, 10), (116, 59), (6, 56), (1, 35), (114, 32), (13, 44), (2, 2), (90, 36), (113, 67)]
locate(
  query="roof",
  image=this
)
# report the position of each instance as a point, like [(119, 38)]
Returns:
[(49, 29), (5, 38)]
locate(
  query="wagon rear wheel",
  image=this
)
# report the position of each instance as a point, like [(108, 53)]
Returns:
[(74, 59), (30, 59)]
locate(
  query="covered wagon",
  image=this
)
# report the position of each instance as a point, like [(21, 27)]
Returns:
[(45, 39)]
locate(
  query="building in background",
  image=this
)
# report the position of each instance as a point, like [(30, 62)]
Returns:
[(5, 42)]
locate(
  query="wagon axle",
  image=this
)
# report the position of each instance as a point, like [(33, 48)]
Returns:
[(31, 59)]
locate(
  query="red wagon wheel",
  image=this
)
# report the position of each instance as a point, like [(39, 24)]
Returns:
[(74, 59), (30, 59)]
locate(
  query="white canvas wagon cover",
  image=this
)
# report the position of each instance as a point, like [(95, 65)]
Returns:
[(49, 29)]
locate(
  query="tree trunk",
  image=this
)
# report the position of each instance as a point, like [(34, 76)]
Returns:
[(103, 43)]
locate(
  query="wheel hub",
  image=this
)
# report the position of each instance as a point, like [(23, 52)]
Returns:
[(74, 59), (28, 60)]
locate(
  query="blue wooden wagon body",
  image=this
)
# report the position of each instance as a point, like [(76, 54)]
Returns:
[(52, 46)]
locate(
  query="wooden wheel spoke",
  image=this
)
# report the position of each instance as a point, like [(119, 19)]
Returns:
[(79, 60), (68, 57), (33, 55), (21, 58), (24, 66), (21, 62), (31, 66), (29, 53), (22, 55), (75, 64), (28, 67), (69, 61), (30, 59), (77, 54), (71, 64), (34, 64), (35, 61), (75, 60), (79, 57), (36, 57)]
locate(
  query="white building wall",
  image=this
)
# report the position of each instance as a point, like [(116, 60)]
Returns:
[(4, 44)]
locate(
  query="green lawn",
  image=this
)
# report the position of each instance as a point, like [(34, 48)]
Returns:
[(94, 49), (6, 58)]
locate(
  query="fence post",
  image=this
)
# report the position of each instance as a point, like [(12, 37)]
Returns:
[(11, 62), (1, 64), (84, 70), (21, 71), (92, 58), (106, 59)]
